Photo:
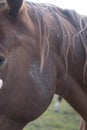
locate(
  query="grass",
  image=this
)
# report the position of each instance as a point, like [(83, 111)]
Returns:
[(65, 119)]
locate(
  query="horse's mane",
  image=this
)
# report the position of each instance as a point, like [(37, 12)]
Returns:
[(78, 29), (80, 23), (68, 25)]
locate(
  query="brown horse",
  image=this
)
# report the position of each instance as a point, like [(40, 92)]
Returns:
[(43, 51)]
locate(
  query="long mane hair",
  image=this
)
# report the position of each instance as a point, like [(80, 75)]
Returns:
[(71, 25), (68, 34)]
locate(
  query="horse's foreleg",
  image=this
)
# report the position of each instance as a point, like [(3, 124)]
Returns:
[(58, 103), (83, 125), (10, 124)]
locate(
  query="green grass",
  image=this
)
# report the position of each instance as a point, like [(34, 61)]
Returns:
[(65, 119)]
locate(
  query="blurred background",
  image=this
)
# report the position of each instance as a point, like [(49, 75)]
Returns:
[(63, 119), (79, 5)]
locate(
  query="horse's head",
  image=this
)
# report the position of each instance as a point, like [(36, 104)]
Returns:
[(24, 88), (15, 36)]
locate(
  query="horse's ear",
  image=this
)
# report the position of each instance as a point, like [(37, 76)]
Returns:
[(14, 7)]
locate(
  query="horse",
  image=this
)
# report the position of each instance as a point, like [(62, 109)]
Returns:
[(57, 103), (43, 51)]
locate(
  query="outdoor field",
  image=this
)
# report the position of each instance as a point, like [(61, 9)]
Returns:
[(65, 119)]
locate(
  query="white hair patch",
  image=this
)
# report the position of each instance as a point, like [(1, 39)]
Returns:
[(1, 83)]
